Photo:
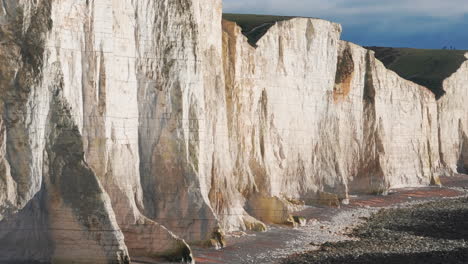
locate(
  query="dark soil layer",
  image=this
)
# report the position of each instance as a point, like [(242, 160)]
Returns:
[(254, 26), (435, 232), (425, 67)]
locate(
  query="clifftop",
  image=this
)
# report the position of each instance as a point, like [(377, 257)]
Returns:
[(255, 26), (134, 129), (426, 67)]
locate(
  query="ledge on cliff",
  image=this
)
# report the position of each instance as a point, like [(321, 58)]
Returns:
[(426, 67), (255, 26)]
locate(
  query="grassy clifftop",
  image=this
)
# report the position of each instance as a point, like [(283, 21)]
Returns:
[(254, 26), (422, 66)]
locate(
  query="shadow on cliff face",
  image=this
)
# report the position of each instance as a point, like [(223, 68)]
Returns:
[(24, 236), (462, 165)]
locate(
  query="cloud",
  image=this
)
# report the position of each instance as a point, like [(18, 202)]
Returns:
[(415, 23), (433, 8), (355, 11)]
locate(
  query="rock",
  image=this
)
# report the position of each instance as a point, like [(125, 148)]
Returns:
[(327, 136), (135, 128), (328, 199), (92, 65), (253, 224), (385, 237), (313, 221), (315, 244), (300, 221), (273, 210), (453, 123)]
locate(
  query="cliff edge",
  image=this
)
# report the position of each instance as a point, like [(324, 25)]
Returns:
[(137, 128)]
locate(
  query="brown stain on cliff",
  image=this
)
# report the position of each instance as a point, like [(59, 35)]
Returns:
[(370, 172), (344, 75), (230, 33), (280, 67), (102, 95), (229, 49)]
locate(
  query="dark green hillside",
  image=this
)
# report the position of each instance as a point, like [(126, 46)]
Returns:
[(422, 66), (254, 26), (425, 67)]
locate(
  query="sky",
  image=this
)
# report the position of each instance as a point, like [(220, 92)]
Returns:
[(431, 24)]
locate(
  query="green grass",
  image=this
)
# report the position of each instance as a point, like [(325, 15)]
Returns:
[(422, 66), (254, 26)]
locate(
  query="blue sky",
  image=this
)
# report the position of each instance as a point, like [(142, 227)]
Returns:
[(395, 23)]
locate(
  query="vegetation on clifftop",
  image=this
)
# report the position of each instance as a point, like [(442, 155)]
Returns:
[(254, 26), (425, 67)]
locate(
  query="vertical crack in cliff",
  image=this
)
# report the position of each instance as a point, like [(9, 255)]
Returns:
[(434, 178), (433, 168), (170, 120), (280, 66), (263, 103), (257, 165), (94, 97), (229, 69), (310, 34), (439, 138), (24, 229), (462, 164), (344, 74), (370, 176), (24, 48), (77, 184), (194, 136)]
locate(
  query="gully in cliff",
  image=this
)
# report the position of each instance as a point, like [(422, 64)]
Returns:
[(154, 131)]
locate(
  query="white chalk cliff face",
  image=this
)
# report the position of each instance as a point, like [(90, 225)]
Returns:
[(453, 123), (101, 98), (311, 115), (135, 128), (399, 127)]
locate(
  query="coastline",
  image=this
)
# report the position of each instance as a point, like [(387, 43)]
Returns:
[(325, 225)]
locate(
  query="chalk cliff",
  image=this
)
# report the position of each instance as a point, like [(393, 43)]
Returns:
[(328, 119), (135, 128), (100, 136), (453, 123)]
